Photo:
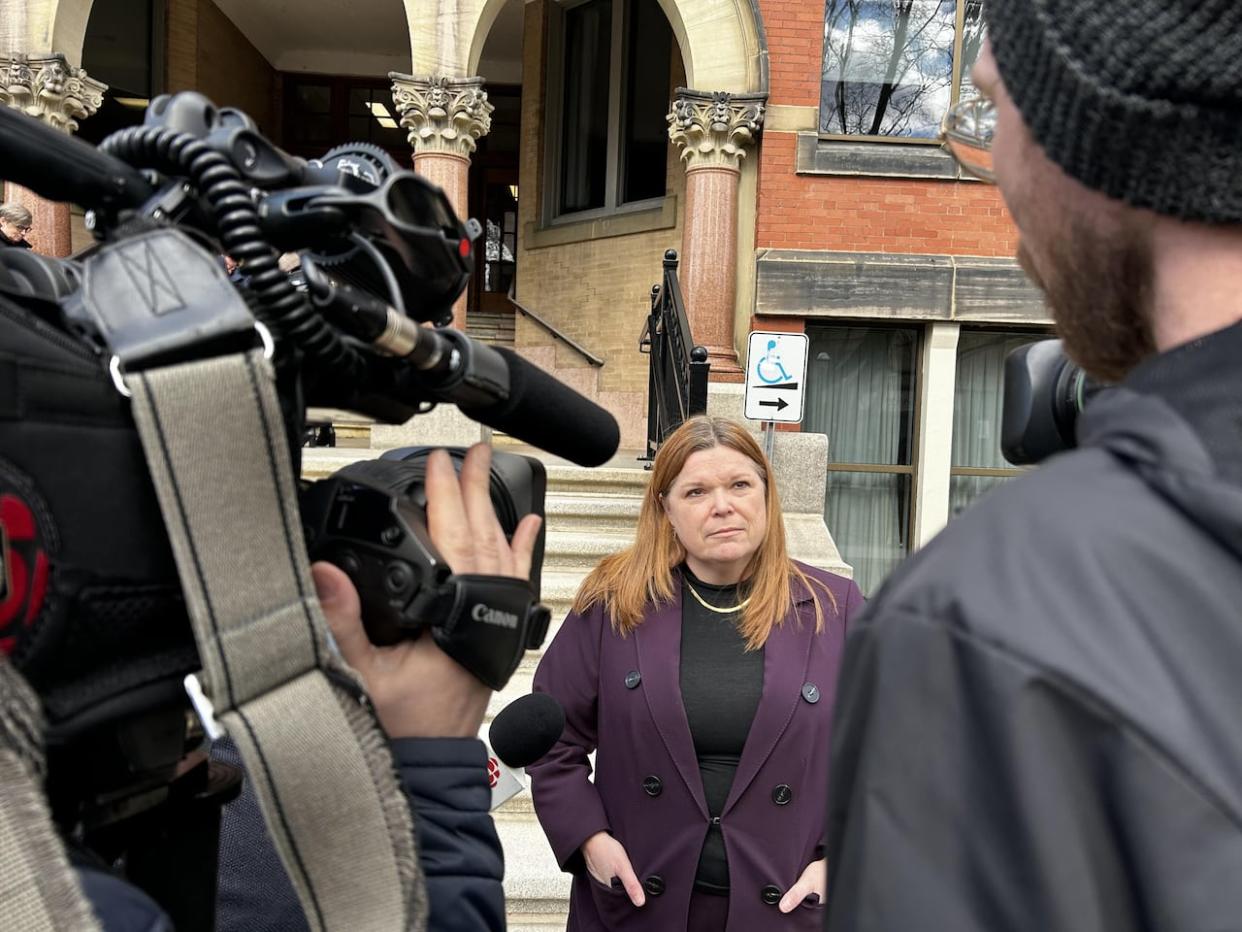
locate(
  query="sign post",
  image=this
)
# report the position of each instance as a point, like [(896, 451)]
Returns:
[(775, 380)]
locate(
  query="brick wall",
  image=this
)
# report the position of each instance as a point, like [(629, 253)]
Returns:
[(848, 213), (875, 214), (795, 30), (207, 53)]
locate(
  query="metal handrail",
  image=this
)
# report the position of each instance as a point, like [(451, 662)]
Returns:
[(556, 334), (678, 369)]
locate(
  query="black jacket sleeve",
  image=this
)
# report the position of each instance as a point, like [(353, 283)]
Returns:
[(973, 790), (446, 780)]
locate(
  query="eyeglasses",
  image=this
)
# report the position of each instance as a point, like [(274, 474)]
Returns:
[(966, 134), (25, 229)]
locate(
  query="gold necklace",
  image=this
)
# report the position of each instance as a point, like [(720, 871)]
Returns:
[(712, 608)]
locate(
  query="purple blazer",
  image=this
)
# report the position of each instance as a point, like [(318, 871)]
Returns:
[(622, 699)]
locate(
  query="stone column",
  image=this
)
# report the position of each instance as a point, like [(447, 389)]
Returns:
[(446, 117), (48, 88), (714, 132)]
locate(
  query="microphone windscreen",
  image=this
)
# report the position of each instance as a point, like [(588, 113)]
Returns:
[(526, 729), (61, 167), (545, 412)]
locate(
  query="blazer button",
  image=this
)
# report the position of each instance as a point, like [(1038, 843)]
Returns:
[(632, 679), (655, 885), (652, 786), (771, 894), (782, 794), (810, 692)]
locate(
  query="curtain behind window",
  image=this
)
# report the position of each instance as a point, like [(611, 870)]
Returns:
[(860, 393), (978, 400)]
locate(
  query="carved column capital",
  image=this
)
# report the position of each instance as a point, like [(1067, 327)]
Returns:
[(447, 116), (714, 129), (48, 88)]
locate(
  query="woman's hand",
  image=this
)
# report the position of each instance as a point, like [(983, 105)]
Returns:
[(813, 880), (605, 859), (417, 689)]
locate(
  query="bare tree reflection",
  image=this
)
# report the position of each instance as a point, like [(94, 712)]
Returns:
[(888, 64)]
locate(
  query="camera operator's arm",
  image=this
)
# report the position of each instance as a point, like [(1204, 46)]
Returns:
[(433, 708)]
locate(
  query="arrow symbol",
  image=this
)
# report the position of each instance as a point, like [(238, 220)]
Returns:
[(780, 404)]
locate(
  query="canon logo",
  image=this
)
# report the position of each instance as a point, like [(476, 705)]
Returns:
[(494, 616)]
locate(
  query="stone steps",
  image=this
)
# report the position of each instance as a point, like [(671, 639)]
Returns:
[(536, 889), (495, 327)]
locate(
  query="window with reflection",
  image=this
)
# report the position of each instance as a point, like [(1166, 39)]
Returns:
[(893, 67), (861, 393)]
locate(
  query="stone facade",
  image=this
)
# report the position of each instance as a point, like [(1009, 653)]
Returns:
[(48, 88), (443, 116)]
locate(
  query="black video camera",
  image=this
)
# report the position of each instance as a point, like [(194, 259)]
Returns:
[(1044, 394), (91, 608), (370, 520)]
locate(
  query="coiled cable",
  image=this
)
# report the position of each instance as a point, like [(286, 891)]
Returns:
[(285, 310)]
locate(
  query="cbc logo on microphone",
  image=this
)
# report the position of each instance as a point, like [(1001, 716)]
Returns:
[(493, 772)]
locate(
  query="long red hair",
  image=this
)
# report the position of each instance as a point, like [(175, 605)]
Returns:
[(642, 574)]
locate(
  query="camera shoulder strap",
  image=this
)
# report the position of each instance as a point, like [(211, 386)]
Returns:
[(38, 890), (215, 445)]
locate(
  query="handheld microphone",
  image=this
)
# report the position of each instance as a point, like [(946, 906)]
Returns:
[(526, 729), (61, 167)]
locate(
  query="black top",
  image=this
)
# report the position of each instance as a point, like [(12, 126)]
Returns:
[(721, 683), (16, 243)]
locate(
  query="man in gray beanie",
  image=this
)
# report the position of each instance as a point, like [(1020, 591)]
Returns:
[(1039, 725)]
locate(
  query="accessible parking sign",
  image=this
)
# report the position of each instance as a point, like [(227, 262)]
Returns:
[(776, 376)]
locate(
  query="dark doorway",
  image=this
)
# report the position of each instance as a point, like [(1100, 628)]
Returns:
[(494, 203)]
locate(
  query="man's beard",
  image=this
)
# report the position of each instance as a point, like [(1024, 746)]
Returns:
[(1099, 286)]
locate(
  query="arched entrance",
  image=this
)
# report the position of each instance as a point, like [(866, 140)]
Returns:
[(722, 41)]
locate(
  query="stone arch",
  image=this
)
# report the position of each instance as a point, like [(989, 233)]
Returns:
[(45, 26), (722, 42)]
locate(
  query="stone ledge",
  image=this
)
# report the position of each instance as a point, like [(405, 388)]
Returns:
[(817, 156), (967, 289), (618, 223)]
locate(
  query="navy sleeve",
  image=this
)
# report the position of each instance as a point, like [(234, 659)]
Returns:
[(446, 781), (119, 906)]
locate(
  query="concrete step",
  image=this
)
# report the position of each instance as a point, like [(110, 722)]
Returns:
[(582, 550), (534, 882), (595, 513), (602, 481), (563, 478)]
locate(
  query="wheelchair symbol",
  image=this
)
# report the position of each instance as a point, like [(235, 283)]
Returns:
[(769, 368)]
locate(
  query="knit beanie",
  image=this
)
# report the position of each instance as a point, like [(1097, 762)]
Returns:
[(1138, 99)]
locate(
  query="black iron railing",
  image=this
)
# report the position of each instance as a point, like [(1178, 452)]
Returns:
[(677, 371)]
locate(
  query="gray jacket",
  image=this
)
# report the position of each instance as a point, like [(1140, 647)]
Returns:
[(1040, 717)]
